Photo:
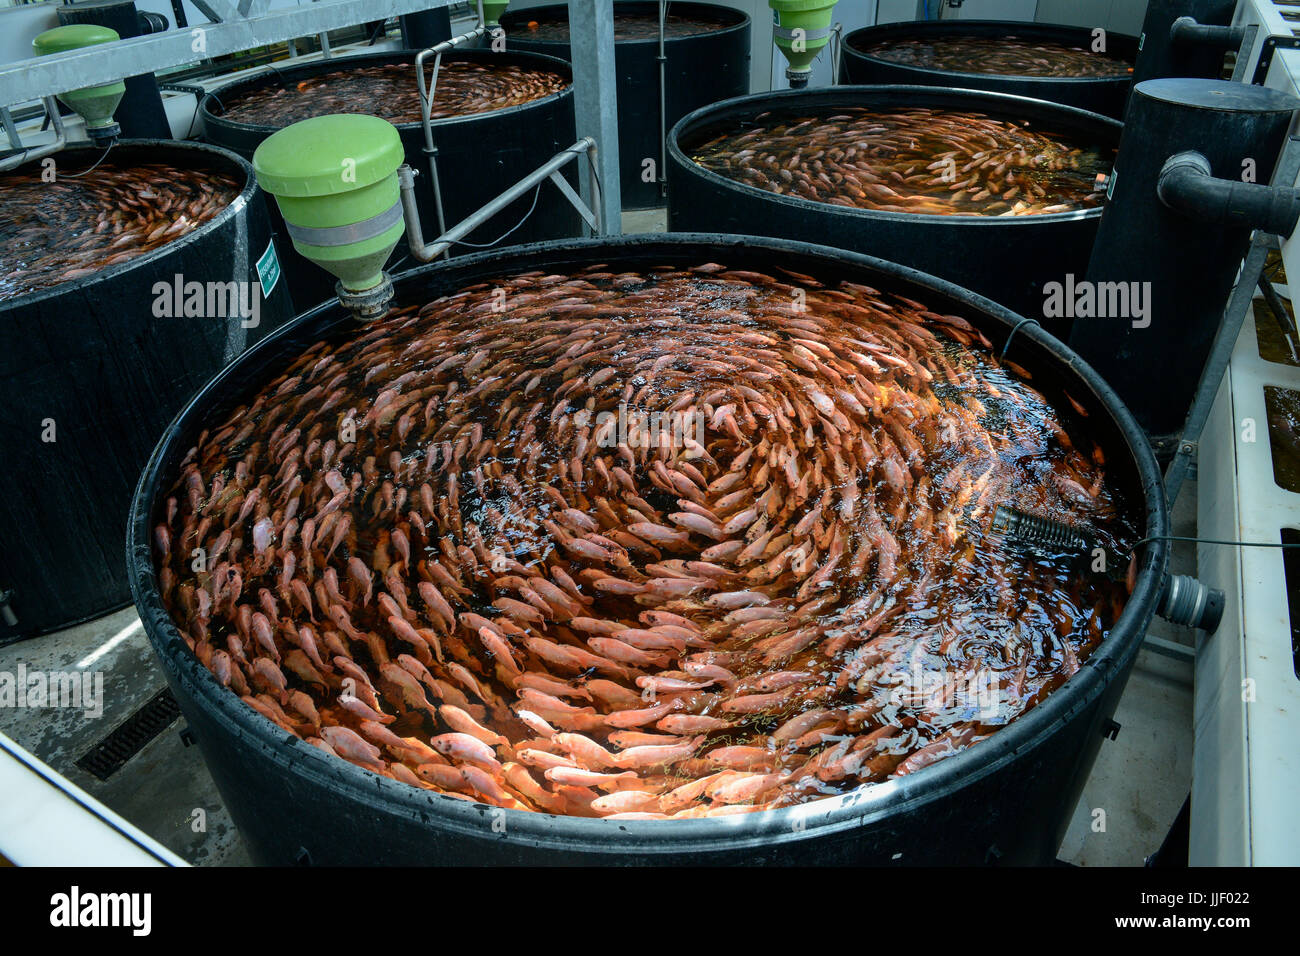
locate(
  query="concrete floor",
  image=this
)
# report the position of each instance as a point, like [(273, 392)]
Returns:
[(161, 787), (645, 220), (1139, 780), (1142, 778)]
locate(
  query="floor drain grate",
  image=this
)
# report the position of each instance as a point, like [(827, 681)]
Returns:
[(130, 737)]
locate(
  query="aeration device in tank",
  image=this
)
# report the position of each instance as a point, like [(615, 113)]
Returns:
[(801, 30)]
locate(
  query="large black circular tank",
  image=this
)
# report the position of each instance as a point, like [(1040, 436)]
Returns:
[(479, 156), (1106, 95), (1008, 799), (1008, 259), (699, 69), (91, 356)]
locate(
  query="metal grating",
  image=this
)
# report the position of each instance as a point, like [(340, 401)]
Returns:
[(130, 737)]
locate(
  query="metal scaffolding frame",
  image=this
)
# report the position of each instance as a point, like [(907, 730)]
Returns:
[(31, 79), (592, 43)]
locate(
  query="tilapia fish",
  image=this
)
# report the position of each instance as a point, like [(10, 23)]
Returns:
[(911, 160), (1005, 56), (627, 26), (640, 543), (84, 222), (465, 87)]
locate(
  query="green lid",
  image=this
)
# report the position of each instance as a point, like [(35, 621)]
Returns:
[(799, 6), (492, 9), (72, 37), (327, 155)]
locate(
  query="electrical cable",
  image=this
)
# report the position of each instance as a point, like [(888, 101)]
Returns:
[(474, 245), (94, 167), (1012, 334), (1239, 544), (198, 101), (1038, 529)]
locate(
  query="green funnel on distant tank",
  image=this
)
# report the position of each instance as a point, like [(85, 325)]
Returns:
[(335, 180), (801, 29), (492, 10), (94, 104)]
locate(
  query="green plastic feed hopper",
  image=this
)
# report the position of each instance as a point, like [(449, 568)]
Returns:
[(94, 104), (335, 178), (802, 29), (492, 10)]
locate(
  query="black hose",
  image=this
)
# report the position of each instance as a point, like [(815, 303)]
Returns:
[(1284, 320), (1187, 30), (1187, 186)]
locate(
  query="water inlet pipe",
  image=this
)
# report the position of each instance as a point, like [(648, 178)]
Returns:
[(663, 103), (426, 105), (427, 252)]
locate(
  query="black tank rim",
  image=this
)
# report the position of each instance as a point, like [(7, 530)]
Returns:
[(1006, 101), (819, 818), (148, 150), (1046, 31), (249, 83)]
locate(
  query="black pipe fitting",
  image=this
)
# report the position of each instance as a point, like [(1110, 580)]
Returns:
[(1188, 30), (1149, 235), (1185, 38), (1187, 186)]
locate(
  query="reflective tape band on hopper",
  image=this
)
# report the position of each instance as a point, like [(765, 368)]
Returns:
[(343, 235)]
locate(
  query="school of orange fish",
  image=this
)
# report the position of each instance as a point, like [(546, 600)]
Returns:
[(83, 221), (628, 25), (389, 91), (918, 160), (1002, 55), (640, 543)]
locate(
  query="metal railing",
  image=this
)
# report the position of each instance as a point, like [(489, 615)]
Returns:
[(427, 252), (40, 152)]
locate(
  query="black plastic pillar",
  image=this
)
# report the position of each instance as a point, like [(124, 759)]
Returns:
[(425, 29), (1164, 56), (1176, 269)]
